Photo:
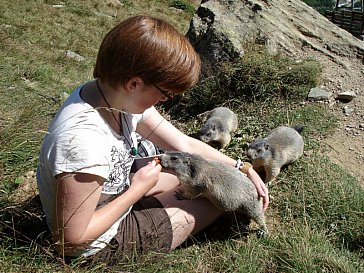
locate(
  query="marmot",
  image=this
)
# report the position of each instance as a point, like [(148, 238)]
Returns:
[(225, 186), (282, 146), (216, 130)]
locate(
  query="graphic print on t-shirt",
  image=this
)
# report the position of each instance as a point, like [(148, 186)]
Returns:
[(118, 180)]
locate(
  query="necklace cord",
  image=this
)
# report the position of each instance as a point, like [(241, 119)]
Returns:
[(134, 150), (108, 104)]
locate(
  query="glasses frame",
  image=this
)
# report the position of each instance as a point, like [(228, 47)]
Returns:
[(169, 94)]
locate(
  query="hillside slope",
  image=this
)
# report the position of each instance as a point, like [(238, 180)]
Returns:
[(219, 28)]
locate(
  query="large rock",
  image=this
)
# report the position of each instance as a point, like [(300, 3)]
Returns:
[(220, 28)]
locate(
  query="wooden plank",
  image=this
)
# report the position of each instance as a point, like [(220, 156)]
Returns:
[(352, 21)]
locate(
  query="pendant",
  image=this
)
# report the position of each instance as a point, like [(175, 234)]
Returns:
[(134, 151)]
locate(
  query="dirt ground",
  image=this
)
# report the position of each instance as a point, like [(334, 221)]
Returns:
[(347, 142)]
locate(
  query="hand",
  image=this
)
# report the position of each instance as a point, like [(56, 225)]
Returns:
[(146, 177), (260, 186)]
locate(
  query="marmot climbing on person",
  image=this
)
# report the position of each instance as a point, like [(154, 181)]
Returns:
[(217, 129), (282, 146), (225, 186)]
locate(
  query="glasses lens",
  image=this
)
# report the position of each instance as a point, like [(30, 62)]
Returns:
[(168, 94)]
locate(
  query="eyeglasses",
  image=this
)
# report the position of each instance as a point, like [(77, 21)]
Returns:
[(168, 94)]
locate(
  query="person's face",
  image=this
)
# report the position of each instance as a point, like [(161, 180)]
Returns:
[(142, 96), (168, 94)]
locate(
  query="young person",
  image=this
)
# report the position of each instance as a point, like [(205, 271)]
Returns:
[(93, 205)]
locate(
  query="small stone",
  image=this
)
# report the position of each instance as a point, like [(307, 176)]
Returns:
[(348, 110), (65, 95), (73, 55), (346, 96), (317, 93)]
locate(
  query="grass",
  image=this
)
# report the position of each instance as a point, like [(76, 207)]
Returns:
[(316, 215), (257, 76)]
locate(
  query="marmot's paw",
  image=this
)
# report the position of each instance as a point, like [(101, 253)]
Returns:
[(180, 194)]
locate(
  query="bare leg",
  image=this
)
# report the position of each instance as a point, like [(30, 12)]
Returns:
[(166, 182), (187, 216)]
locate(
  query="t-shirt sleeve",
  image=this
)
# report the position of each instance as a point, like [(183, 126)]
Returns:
[(79, 150), (145, 114)]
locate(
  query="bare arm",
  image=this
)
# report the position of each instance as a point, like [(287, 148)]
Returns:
[(165, 135), (76, 221)]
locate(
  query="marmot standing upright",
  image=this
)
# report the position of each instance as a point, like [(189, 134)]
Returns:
[(220, 123), (225, 186), (282, 146)]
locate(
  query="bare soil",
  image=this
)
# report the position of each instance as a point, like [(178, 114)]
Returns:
[(346, 144)]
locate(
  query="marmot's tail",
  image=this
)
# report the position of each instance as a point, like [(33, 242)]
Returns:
[(299, 128)]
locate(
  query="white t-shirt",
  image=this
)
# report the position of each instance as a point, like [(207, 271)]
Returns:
[(79, 140)]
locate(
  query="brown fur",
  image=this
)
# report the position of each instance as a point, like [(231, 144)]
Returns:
[(282, 146), (225, 186), (217, 129)]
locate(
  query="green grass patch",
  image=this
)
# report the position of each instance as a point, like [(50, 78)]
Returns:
[(318, 193), (183, 5), (256, 77)]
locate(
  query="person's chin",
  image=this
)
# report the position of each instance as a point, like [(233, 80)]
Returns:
[(136, 111)]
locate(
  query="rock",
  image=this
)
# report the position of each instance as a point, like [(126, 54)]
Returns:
[(317, 93), (65, 95), (346, 96), (219, 30), (347, 110), (73, 55)]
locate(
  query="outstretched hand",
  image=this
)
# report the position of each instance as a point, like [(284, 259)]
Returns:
[(147, 177), (260, 186)]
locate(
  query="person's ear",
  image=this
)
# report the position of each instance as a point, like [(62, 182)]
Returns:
[(133, 83)]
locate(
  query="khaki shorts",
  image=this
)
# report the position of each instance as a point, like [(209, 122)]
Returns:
[(145, 229)]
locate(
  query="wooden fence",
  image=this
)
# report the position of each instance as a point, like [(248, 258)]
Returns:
[(351, 21)]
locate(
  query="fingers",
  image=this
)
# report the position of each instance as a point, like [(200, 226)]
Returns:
[(265, 202), (262, 189), (259, 184), (155, 163)]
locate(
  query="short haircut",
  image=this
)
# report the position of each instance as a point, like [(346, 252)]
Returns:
[(149, 48)]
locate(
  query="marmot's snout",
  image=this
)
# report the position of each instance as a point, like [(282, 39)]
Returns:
[(257, 150), (164, 160)]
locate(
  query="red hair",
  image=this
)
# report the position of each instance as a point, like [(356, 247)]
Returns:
[(149, 48)]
